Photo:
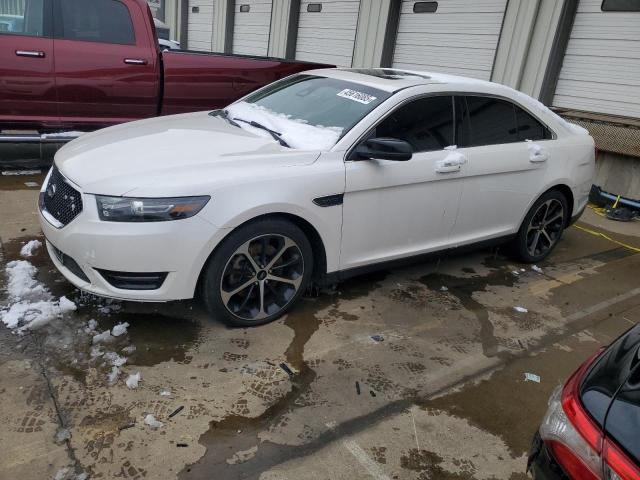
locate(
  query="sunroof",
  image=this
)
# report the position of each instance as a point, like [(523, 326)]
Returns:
[(388, 73)]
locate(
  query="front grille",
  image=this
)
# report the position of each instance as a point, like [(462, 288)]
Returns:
[(61, 200), (134, 280)]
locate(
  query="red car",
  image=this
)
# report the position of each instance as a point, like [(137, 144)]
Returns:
[(86, 64), (592, 428)]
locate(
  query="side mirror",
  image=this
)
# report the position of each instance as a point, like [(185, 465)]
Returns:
[(384, 148)]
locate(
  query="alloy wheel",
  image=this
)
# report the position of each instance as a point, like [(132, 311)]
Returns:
[(262, 277), (545, 227)]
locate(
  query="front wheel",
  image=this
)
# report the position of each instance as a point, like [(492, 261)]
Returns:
[(542, 228), (258, 273)]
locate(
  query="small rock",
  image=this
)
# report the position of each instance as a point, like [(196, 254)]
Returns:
[(152, 422)]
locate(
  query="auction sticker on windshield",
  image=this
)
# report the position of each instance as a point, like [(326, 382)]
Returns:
[(357, 96)]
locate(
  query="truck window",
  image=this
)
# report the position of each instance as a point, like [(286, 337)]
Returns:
[(22, 17), (104, 21)]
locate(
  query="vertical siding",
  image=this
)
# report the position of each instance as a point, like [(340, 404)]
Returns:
[(601, 68), (372, 26), (200, 26), (251, 29), (328, 36), (11, 7), (461, 37), (279, 28)]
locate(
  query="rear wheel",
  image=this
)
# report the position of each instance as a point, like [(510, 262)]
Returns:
[(542, 227), (258, 273)]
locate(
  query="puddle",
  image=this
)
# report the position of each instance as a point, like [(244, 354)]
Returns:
[(463, 289), (17, 182)]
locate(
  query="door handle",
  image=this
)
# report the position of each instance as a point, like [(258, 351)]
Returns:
[(538, 157), (135, 61), (30, 53), (452, 163)]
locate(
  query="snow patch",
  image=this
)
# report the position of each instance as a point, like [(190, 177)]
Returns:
[(114, 359), (104, 337), (112, 377), (30, 247), (520, 309), (152, 422), (120, 329), (297, 133), (22, 282), (133, 380)]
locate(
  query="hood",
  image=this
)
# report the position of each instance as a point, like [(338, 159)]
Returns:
[(171, 156)]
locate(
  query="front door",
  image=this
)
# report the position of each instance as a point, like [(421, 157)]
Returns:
[(27, 78), (395, 209), (504, 171), (107, 70)]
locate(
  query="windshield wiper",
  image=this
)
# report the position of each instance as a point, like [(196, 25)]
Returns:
[(224, 114), (276, 135)]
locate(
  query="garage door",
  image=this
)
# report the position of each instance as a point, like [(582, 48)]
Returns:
[(327, 31), (200, 27), (601, 68), (251, 27), (460, 37)]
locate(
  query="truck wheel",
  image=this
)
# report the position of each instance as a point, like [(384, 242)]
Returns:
[(542, 228), (258, 273)]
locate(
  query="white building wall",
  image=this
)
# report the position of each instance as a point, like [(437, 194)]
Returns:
[(251, 29), (200, 25), (601, 69)]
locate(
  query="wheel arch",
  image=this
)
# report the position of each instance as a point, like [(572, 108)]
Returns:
[(311, 232), (568, 194)]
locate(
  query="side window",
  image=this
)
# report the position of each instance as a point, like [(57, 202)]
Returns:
[(22, 17), (529, 128), (426, 124), (492, 122), (105, 21)]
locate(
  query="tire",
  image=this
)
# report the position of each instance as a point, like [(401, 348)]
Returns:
[(542, 228), (235, 287)]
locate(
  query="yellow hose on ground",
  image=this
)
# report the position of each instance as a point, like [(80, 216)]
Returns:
[(607, 237)]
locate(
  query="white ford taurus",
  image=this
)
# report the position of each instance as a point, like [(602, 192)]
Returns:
[(312, 178)]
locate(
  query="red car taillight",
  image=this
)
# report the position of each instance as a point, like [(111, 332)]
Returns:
[(574, 439), (577, 442)]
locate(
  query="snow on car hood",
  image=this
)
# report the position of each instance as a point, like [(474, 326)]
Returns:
[(297, 133), (171, 154)]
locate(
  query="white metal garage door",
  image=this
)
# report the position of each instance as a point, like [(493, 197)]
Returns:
[(601, 68), (200, 27), (460, 37), (251, 27), (327, 35)]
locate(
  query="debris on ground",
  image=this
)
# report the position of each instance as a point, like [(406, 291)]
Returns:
[(515, 273), (62, 473), (120, 329), (32, 184), (531, 377), (286, 369), (176, 411), (536, 269), (114, 359), (129, 349), (165, 393), (91, 327), (444, 289), (29, 248), (377, 338), (152, 422), (133, 380), (357, 387), (521, 309), (181, 445)]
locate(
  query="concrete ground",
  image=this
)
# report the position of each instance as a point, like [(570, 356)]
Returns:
[(392, 375)]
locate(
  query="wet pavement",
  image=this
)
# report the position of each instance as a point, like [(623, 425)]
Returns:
[(414, 373)]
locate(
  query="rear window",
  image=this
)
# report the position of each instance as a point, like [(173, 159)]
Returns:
[(104, 21), (623, 419), (608, 373)]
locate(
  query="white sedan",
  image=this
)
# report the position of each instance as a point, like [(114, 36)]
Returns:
[(314, 178)]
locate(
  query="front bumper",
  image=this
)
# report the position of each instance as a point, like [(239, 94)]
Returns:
[(180, 248)]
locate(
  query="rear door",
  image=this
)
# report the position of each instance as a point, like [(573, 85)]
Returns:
[(27, 79), (107, 66), (504, 172)]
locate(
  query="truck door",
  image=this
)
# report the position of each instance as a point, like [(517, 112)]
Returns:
[(27, 80), (106, 61)]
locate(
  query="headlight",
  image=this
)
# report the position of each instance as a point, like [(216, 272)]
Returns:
[(123, 209)]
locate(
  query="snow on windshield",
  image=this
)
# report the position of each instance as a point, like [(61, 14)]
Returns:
[(298, 134)]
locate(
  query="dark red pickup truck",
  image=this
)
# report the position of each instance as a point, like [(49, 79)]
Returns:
[(86, 64)]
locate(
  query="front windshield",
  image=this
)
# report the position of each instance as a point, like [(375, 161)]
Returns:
[(308, 112)]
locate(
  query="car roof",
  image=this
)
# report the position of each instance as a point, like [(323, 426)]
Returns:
[(394, 79)]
